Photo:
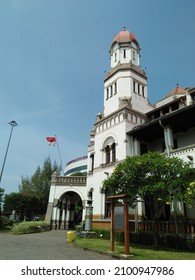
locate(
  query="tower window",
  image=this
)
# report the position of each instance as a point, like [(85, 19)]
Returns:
[(115, 56), (111, 91), (107, 93), (143, 93), (138, 88), (124, 53), (133, 86), (115, 88), (133, 55)]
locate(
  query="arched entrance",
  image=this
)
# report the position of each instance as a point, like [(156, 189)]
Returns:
[(69, 210)]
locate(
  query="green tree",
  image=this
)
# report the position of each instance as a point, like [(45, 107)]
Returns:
[(152, 178), (25, 206), (38, 185)]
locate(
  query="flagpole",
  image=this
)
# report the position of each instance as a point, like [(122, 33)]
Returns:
[(12, 123), (59, 152)]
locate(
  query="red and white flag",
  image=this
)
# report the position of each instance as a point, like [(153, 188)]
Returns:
[(51, 140)]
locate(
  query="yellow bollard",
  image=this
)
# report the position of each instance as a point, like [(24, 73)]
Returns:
[(70, 236)]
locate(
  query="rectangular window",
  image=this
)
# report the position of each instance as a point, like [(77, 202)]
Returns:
[(115, 57), (107, 153), (111, 91), (115, 88), (175, 106), (165, 110), (138, 89), (124, 53), (107, 93), (133, 86), (92, 162), (143, 93), (133, 55)]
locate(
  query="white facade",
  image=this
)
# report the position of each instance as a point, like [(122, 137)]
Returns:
[(125, 102), (127, 126)]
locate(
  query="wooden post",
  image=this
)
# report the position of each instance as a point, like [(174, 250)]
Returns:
[(126, 227), (112, 227)]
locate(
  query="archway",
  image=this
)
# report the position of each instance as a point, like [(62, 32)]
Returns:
[(70, 210)]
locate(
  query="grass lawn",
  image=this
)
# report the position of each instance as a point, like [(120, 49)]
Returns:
[(137, 252)]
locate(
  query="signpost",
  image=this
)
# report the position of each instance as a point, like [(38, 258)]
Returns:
[(119, 220)]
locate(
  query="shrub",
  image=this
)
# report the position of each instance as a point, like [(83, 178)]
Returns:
[(6, 223), (172, 241), (102, 233), (30, 227), (105, 234)]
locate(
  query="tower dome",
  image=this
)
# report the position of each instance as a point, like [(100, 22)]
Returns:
[(124, 49), (124, 36)]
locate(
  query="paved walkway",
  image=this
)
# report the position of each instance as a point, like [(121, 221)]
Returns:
[(49, 245)]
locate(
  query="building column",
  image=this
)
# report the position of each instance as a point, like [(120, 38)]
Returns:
[(102, 209), (136, 147), (63, 218), (57, 220), (168, 136), (67, 215), (54, 216), (131, 145), (72, 211)]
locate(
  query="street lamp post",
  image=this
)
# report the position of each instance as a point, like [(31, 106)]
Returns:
[(12, 123)]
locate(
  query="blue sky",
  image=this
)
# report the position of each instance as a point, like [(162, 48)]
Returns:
[(53, 58)]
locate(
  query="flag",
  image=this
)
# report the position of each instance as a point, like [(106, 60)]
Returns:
[(51, 140)]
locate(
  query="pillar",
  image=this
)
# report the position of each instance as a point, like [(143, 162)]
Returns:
[(168, 135), (67, 215), (88, 218), (136, 149)]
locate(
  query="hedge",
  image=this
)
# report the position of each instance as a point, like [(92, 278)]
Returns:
[(30, 227)]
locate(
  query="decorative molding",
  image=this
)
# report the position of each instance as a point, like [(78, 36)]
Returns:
[(71, 180)]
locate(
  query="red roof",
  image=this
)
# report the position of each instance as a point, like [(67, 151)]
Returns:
[(177, 90), (124, 36)]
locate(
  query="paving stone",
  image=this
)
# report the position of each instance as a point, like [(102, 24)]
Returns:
[(51, 245)]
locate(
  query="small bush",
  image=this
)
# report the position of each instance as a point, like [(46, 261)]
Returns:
[(6, 223), (30, 227), (105, 234), (172, 241), (102, 233)]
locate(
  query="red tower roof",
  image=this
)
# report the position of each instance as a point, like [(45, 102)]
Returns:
[(124, 36)]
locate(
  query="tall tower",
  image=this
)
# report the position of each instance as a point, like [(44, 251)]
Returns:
[(126, 80), (125, 105)]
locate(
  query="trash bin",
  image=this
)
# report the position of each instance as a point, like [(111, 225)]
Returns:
[(70, 236)]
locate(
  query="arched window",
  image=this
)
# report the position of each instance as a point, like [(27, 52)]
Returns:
[(90, 194), (109, 150), (113, 149)]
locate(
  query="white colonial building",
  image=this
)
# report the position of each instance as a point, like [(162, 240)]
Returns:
[(128, 125)]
